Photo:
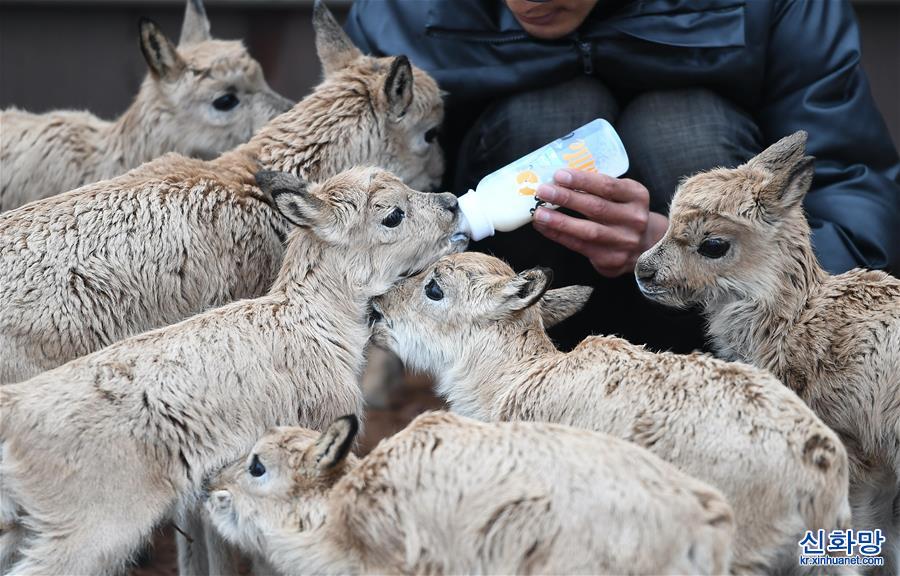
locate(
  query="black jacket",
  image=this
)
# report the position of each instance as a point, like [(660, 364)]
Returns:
[(792, 64)]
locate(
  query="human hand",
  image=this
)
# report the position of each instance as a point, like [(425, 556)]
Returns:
[(618, 225)]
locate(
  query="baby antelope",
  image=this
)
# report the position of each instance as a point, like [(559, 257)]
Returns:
[(178, 236), (450, 495), (201, 98), (479, 329), (97, 452), (738, 244)]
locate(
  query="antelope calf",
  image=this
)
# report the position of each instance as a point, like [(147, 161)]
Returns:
[(449, 495), (738, 245), (199, 99), (97, 452), (178, 236), (479, 329)]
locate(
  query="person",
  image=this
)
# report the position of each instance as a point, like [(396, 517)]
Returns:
[(689, 85)]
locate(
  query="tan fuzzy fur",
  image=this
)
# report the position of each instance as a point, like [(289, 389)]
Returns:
[(733, 426), (177, 236), (450, 495), (47, 154), (100, 450), (834, 340)]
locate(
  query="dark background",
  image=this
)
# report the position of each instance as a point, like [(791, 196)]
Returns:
[(83, 54)]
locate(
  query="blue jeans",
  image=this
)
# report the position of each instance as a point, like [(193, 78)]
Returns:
[(668, 135)]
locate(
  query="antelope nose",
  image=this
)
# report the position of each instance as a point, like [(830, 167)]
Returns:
[(375, 316), (450, 202), (644, 271)]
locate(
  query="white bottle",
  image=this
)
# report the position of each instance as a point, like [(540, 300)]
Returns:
[(504, 200)]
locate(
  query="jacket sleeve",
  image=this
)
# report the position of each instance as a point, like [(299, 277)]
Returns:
[(355, 28), (814, 82)]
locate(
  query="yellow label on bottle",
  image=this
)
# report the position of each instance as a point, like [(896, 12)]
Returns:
[(580, 157), (577, 156), (527, 181)]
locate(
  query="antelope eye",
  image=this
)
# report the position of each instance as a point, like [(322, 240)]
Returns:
[(713, 248), (433, 291), (431, 135), (256, 467), (394, 218), (226, 102)]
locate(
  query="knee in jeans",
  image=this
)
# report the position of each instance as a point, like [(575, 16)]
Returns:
[(673, 101), (528, 120), (696, 116), (672, 134)]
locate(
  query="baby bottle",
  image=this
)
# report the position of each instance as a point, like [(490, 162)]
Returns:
[(505, 200)]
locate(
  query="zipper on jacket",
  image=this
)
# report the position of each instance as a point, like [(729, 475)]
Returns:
[(587, 59)]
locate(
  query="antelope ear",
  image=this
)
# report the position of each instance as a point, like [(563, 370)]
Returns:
[(161, 55), (398, 86), (334, 444), (334, 47), (195, 27), (791, 169), (782, 154), (796, 183), (561, 303), (523, 290), (293, 198)]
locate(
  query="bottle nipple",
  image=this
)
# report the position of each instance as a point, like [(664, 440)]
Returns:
[(474, 219)]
